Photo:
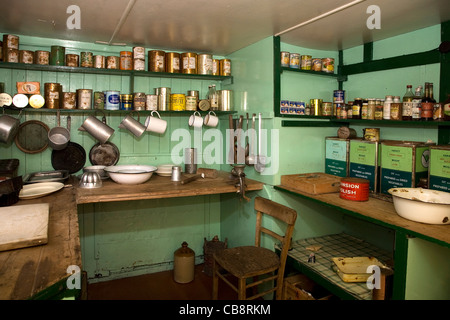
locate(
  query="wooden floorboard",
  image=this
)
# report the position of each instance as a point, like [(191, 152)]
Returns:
[(158, 286)]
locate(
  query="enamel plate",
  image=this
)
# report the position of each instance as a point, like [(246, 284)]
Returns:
[(37, 190)]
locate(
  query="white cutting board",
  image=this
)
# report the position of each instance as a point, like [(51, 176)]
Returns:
[(23, 226)]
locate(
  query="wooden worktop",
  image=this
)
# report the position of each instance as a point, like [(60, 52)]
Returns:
[(29, 271), (162, 187), (380, 212)]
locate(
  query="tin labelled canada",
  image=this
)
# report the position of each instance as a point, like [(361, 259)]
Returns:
[(216, 148)]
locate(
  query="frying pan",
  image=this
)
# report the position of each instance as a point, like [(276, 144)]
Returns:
[(104, 154), (72, 158)]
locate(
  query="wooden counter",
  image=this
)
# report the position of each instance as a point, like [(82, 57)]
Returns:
[(162, 187), (380, 212), (27, 272)]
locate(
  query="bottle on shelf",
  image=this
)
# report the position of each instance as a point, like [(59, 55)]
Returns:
[(212, 97), (396, 109), (417, 104), (428, 103), (407, 104), (387, 108), (379, 109)]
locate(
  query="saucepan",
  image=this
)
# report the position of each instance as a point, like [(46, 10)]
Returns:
[(59, 137), (9, 126)]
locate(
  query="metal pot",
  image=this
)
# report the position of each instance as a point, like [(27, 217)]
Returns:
[(59, 137), (9, 126)]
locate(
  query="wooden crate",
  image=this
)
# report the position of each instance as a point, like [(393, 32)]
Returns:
[(300, 287)]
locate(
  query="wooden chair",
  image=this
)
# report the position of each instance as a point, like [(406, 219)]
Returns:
[(250, 262)]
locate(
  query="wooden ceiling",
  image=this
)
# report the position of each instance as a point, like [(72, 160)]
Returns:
[(220, 27)]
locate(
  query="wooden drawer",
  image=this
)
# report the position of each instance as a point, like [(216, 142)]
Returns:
[(300, 287)]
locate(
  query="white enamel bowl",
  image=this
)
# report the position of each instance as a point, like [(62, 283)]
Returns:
[(130, 174), (422, 205)]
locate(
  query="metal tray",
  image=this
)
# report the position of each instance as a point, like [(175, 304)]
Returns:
[(46, 176)]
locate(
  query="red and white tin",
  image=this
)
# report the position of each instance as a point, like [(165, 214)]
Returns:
[(355, 189)]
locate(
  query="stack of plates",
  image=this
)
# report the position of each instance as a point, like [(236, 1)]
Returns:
[(164, 170)]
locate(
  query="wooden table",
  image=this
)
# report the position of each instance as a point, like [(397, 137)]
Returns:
[(30, 272), (27, 272)]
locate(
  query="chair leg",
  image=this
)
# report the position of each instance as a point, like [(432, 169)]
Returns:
[(215, 293), (242, 288)]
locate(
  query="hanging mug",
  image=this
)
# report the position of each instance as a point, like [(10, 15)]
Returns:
[(196, 120), (96, 128), (211, 120), (9, 126), (155, 124), (132, 125)]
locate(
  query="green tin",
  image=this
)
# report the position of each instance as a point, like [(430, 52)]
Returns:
[(87, 59), (99, 100), (58, 56)]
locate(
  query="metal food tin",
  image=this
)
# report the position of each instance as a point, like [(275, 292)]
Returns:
[(42, 57), (204, 105), (84, 99), (72, 60), (317, 64), (172, 62), (306, 62), (10, 41), (163, 94), (139, 53), (11, 55), (178, 102), (327, 109), (204, 64), (355, 189), (69, 100), (339, 96), (216, 67), (52, 95), (37, 101), (87, 59), (156, 61), (225, 67), (126, 60), (126, 102), (328, 65), (364, 161), (57, 56), (99, 100), (139, 64), (99, 62), (189, 63), (26, 56), (439, 173), (112, 62), (112, 100), (294, 60), (372, 134), (191, 103), (225, 100), (139, 100), (151, 102), (337, 154), (316, 105), (285, 58)]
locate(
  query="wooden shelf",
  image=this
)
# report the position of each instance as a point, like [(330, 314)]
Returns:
[(347, 122), (111, 72), (311, 72), (379, 212)]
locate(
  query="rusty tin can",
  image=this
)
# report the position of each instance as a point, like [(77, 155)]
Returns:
[(53, 95), (139, 53), (126, 60), (69, 100), (11, 55), (99, 100), (112, 62), (57, 56), (84, 99), (151, 102), (156, 61), (216, 67), (204, 64), (10, 41), (42, 57), (26, 56), (225, 67), (172, 62), (72, 60), (189, 62), (99, 62), (139, 64), (139, 99), (87, 59)]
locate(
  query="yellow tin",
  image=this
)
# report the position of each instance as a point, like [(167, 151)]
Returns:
[(178, 102)]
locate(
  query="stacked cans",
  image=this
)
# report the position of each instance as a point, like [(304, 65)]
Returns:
[(306, 62), (338, 103), (10, 48)]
